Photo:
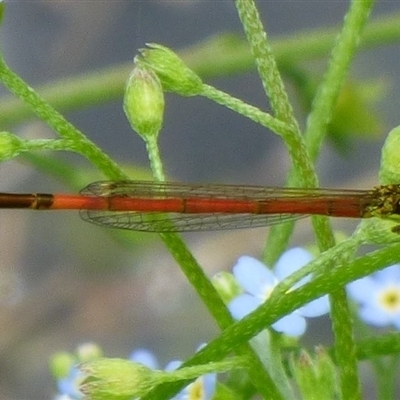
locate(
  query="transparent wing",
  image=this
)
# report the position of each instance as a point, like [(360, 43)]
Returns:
[(185, 221), (171, 189), (159, 222)]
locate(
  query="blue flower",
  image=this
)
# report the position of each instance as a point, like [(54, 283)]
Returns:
[(68, 387), (203, 388), (379, 297), (258, 282), (145, 357)]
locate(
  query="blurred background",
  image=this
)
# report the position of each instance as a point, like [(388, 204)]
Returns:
[(64, 282)]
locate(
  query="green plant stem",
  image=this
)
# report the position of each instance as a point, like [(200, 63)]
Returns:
[(317, 122), (302, 173), (387, 344), (345, 347), (198, 370), (276, 93), (265, 61), (336, 74), (78, 141), (276, 307), (275, 90), (281, 128), (108, 84), (339, 253), (177, 247), (320, 116), (323, 104), (205, 289), (234, 55)]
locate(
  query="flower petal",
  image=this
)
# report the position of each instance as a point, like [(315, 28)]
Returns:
[(292, 325), (396, 321), (362, 290), (315, 308), (253, 275), (70, 384), (291, 261), (173, 365), (209, 385), (145, 357), (242, 305), (374, 316), (388, 275)]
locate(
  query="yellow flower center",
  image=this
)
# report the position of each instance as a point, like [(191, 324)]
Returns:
[(196, 390), (390, 299)]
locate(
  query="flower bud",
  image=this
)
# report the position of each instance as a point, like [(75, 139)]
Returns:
[(174, 74), (316, 376), (326, 368), (116, 379), (144, 101)]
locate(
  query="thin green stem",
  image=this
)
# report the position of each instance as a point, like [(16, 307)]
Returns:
[(345, 347), (265, 61), (317, 122), (373, 346), (323, 104), (276, 307), (336, 74), (153, 152), (60, 125), (275, 90), (205, 289), (234, 57), (194, 372), (340, 253), (255, 114)]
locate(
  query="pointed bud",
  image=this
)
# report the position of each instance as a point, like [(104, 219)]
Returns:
[(174, 74), (144, 101), (116, 379), (315, 377), (327, 370), (304, 373)]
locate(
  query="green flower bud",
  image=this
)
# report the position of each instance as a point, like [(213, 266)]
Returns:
[(326, 370), (144, 102), (116, 379), (60, 364), (226, 286), (315, 377), (390, 162), (174, 74), (10, 146)]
